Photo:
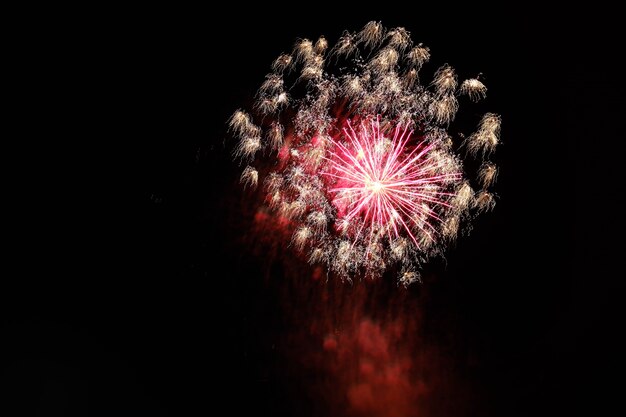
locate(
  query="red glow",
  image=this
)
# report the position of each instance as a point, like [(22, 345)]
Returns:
[(354, 350)]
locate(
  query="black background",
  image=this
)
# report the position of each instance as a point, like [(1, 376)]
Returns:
[(128, 291)]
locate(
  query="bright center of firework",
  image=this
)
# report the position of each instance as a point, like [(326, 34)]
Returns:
[(374, 186)]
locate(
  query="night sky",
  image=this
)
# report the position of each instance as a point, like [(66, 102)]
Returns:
[(131, 287)]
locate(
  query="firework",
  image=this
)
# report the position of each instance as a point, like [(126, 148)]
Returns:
[(354, 153)]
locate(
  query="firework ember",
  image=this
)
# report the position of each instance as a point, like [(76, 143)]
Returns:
[(354, 153)]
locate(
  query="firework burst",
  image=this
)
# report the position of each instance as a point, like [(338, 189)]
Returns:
[(354, 153)]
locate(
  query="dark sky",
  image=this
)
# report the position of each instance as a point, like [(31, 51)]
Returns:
[(129, 292)]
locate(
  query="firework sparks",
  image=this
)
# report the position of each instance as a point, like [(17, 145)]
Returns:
[(355, 155), (384, 185)]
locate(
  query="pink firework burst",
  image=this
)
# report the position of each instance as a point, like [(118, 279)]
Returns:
[(389, 183), (355, 157)]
